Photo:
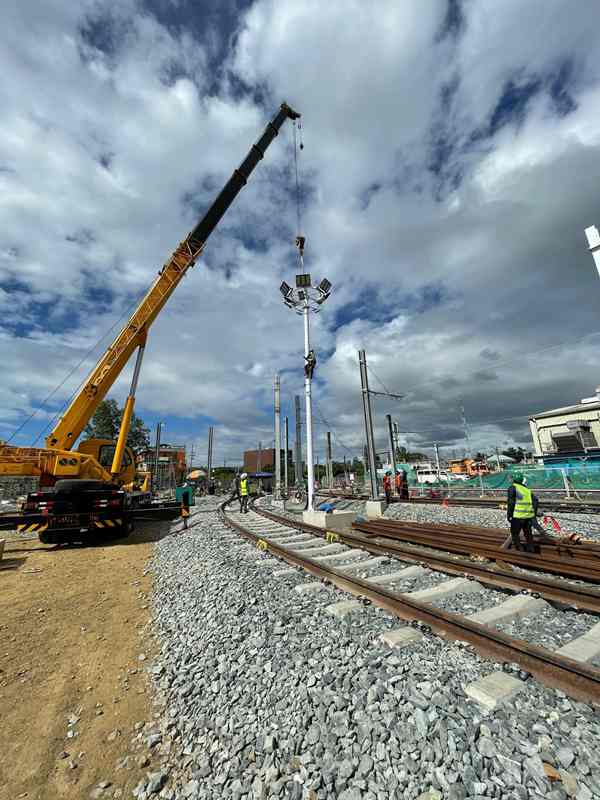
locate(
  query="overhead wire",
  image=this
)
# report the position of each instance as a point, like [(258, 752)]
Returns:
[(125, 313), (64, 380), (377, 378), (298, 211), (332, 429)]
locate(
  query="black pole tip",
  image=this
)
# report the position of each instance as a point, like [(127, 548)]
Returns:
[(290, 111)]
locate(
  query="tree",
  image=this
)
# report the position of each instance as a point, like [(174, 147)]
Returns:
[(357, 467), (515, 452), (404, 455), (106, 422)]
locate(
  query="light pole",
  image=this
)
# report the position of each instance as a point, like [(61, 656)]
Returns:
[(304, 299), (277, 388)]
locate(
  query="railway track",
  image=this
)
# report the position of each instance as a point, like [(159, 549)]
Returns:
[(380, 574)]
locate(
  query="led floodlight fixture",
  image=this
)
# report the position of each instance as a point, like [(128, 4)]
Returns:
[(303, 281)]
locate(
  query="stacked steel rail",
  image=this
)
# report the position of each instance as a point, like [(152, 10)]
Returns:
[(560, 557)]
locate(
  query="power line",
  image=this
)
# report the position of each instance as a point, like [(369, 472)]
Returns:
[(65, 379), (334, 433)]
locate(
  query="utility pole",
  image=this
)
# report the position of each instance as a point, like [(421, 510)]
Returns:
[(210, 453), (299, 473), (364, 381), (329, 462), (285, 464), (437, 459), (391, 444), (277, 438), (192, 456)]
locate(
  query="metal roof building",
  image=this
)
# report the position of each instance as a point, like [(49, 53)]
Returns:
[(571, 432)]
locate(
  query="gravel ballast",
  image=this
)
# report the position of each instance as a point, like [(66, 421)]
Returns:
[(263, 694)]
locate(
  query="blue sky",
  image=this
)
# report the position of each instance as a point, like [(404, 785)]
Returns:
[(450, 167)]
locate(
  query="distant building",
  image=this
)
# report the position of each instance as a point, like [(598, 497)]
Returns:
[(263, 460), (568, 433), (501, 461), (172, 467)]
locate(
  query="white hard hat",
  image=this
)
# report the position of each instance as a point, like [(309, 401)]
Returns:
[(243, 475)]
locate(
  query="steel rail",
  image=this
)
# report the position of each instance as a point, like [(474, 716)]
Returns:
[(575, 679)]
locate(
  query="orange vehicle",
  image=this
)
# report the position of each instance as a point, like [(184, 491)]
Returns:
[(468, 466)]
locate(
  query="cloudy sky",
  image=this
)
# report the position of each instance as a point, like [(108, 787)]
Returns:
[(451, 164)]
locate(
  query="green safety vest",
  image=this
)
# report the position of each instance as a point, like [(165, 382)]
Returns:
[(244, 487), (524, 503)]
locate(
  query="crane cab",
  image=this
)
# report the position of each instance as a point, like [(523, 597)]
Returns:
[(103, 450)]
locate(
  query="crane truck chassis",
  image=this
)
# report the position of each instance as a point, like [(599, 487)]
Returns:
[(80, 497)]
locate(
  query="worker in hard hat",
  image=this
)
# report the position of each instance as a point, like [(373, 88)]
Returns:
[(521, 511), (244, 493)]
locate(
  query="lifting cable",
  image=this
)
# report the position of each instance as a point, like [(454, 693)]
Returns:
[(298, 145)]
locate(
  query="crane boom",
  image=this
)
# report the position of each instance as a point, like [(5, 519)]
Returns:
[(133, 334)]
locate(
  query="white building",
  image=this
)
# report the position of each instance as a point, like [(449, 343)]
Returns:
[(569, 432)]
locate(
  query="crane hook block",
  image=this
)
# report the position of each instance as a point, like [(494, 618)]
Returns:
[(300, 242)]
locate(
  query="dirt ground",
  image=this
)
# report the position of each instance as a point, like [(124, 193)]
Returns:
[(71, 620)]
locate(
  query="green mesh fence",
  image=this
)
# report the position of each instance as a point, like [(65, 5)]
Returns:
[(578, 478)]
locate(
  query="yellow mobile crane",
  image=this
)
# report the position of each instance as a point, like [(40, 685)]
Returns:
[(91, 486)]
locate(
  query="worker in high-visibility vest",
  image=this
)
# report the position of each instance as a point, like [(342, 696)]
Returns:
[(521, 511), (244, 493), (185, 508)]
